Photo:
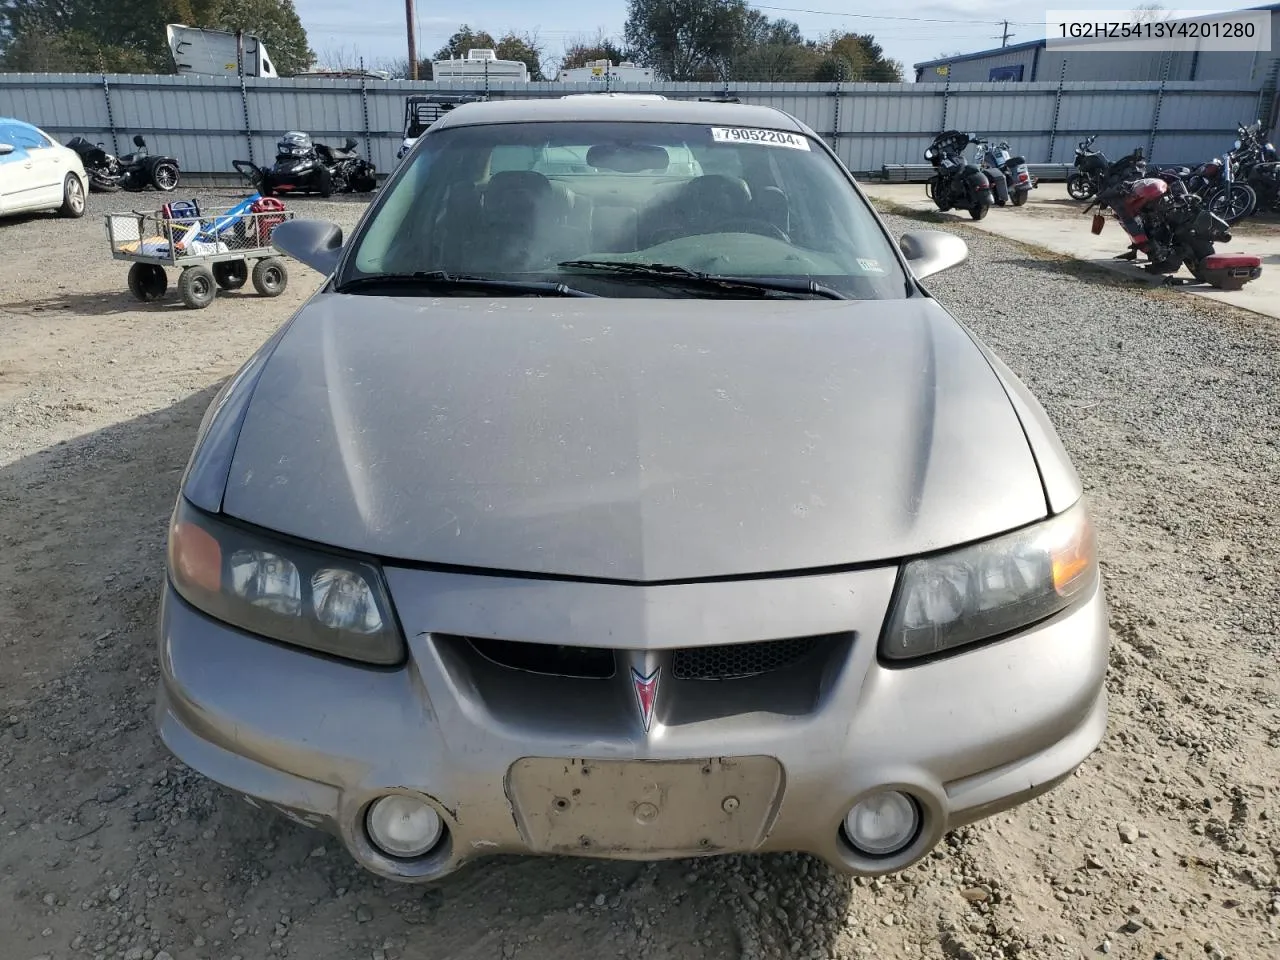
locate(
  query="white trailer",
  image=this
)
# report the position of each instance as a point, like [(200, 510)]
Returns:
[(604, 72), (200, 51), (479, 65)]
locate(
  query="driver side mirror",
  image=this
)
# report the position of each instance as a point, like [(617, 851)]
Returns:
[(930, 251), (317, 243), (6, 149)]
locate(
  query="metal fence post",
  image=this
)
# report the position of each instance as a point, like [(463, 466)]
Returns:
[(111, 123), (364, 106), (1057, 110), (248, 129), (1155, 114), (835, 120)]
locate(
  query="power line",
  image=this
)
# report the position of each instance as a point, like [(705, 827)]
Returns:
[(869, 16)]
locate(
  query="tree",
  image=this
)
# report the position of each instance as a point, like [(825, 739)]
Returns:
[(1149, 13), (465, 39), (583, 50), (775, 51), (524, 47), (687, 39), (115, 36), (856, 58), (728, 40)]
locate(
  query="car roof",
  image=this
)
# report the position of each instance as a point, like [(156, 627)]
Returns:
[(20, 123), (618, 109)]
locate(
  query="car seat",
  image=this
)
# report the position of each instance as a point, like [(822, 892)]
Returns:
[(524, 223)]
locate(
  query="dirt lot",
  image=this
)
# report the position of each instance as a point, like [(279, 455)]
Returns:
[(1167, 844)]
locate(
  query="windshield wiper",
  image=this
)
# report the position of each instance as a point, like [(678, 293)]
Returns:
[(441, 278), (679, 274)]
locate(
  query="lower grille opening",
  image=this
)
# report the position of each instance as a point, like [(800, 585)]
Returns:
[(732, 661), (556, 660)]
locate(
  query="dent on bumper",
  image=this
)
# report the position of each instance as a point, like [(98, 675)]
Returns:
[(318, 740)]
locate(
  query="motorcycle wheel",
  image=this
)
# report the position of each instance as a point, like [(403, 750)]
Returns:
[(99, 184), (366, 183), (1020, 197), (1079, 188), (1235, 203), (979, 210), (164, 176)]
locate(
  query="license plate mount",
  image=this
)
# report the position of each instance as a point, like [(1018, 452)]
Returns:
[(644, 809)]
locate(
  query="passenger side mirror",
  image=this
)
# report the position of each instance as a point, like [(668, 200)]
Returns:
[(6, 149), (932, 251), (317, 243)]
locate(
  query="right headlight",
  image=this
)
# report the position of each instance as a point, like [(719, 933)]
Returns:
[(993, 588), (282, 590)]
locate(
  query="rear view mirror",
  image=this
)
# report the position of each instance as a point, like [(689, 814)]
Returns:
[(317, 243), (629, 158), (6, 149), (932, 251)]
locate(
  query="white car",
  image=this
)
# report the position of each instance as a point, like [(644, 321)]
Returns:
[(38, 173)]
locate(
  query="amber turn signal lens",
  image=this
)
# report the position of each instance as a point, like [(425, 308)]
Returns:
[(195, 557), (1074, 561)]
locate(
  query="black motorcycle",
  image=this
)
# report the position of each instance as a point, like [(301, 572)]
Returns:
[(1090, 167), (133, 172), (298, 169), (957, 183), (1010, 177), (1257, 165), (1215, 182), (349, 172), (305, 167)]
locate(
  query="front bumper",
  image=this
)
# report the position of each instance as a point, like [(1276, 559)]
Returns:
[(318, 739)]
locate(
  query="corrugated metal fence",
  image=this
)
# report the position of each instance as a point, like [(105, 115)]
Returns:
[(206, 122)]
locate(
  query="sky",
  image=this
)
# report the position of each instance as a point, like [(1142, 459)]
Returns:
[(909, 31)]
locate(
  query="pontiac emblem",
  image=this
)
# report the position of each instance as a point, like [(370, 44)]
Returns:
[(646, 694)]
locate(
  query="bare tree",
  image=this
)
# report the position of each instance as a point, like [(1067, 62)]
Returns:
[(1149, 13)]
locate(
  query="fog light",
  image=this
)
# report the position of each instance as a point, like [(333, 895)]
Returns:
[(883, 823), (403, 826)]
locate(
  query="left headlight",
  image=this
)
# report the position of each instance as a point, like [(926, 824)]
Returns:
[(282, 591), (993, 588)]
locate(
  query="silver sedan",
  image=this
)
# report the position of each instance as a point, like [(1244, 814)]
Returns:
[(765, 553)]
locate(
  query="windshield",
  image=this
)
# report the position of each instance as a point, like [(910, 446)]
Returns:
[(519, 201)]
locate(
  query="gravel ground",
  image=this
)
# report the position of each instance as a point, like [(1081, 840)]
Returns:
[(1165, 845)]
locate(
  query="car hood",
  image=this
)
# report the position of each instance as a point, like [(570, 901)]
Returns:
[(638, 440)]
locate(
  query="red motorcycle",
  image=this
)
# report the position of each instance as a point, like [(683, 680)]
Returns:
[(1174, 228)]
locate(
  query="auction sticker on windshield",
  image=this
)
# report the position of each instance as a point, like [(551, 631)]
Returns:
[(768, 138)]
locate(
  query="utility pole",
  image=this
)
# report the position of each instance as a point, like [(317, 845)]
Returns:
[(1004, 41), (411, 23)]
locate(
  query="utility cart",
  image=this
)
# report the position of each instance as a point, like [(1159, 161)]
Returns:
[(226, 249)]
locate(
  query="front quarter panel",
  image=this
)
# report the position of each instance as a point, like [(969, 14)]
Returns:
[(1062, 486), (205, 480)]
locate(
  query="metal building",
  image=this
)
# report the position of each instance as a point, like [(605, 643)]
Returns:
[(1036, 61)]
